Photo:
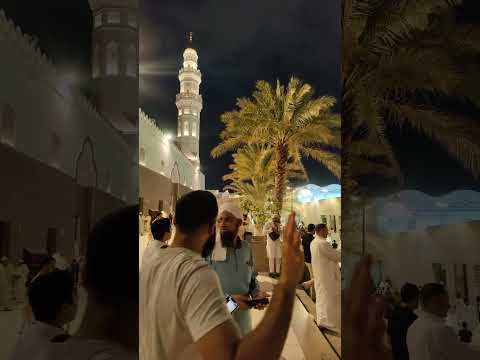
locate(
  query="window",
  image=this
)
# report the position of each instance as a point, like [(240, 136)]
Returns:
[(7, 125), (114, 17), (142, 156), (112, 59), (132, 64), (96, 61), (187, 111), (98, 20), (194, 129), (185, 128), (179, 130), (132, 20)]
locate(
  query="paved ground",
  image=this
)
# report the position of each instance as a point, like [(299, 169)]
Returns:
[(10, 322)]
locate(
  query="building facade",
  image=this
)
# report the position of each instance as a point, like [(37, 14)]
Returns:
[(66, 160)]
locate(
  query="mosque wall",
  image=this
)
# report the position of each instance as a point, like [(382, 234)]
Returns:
[(32, 207), (42, 117), (162, 164), (311, 212), (55, 149), (409, 256)]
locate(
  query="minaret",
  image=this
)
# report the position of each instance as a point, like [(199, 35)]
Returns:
[(115, 61), (189, 104)]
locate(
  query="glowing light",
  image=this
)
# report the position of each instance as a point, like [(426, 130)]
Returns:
[(168, 137)]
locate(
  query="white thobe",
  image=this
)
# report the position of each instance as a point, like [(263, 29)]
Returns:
[(274, 248), (20, 284), (429, 338), (327, 279), (5, 288)]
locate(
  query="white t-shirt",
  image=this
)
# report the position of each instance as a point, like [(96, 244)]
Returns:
[(180, 301)]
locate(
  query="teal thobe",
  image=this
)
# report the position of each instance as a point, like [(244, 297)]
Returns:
[(238, 276)]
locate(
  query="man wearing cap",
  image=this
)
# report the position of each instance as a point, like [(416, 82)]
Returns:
[(232, 259), (273, 232)]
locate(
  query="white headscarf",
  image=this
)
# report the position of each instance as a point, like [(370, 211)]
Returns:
[(219, 252)]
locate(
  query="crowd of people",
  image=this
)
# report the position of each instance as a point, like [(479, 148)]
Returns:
[(422, 325), (176, 308)]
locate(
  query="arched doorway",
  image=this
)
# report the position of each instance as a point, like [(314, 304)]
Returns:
[(86, 176)]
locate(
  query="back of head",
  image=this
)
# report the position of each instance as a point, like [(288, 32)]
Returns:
[(194, 210), (430, 292), (159, 228), (409, 293), (111, 270), (48, 293), (311, 228), (319, 228)]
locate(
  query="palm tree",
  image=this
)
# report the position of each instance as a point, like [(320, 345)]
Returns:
[(289, 120), (253, 174), (396, 58)]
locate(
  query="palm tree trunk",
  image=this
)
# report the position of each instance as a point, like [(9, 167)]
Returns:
[(281, 176)]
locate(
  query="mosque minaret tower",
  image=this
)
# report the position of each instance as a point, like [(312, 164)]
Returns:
[(189, 104)]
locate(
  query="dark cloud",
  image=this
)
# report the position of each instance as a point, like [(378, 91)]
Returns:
[(238, 43)]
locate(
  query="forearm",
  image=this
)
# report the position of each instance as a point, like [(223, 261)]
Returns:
[(267, 340)]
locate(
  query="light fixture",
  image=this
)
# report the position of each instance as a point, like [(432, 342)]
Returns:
[(168, 137)]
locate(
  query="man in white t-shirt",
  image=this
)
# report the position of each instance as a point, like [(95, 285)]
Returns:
[(183, 312)]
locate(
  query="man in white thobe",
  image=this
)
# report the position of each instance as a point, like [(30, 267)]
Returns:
[(274, 245), (21, 274), (429, 337), (5, 287), (326, 275)]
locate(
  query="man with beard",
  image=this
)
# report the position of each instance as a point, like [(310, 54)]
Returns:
[(183, 311), (232, 260)]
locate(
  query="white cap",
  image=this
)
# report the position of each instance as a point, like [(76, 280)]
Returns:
[(233, 209)]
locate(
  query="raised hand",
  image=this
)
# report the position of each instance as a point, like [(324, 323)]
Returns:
[(292, 255), (363, 328)]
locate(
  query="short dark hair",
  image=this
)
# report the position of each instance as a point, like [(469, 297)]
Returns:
[(247, 233), (49, 292), (114, 237), (195, 209), (159, 228), (311, 227), (409, 292), (431, 291), (320, 227)]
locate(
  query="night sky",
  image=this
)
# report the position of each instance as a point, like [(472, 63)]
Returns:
[(237, 43)]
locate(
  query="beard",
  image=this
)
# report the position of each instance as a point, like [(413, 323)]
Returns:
[(228, 238), (208, 246)]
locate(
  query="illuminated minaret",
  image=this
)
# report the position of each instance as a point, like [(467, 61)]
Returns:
[(189, 104)]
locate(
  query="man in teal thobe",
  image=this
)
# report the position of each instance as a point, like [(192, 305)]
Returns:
[(233, 261)]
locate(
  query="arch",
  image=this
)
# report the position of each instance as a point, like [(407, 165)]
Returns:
[(96, 61), (7, 125), (194, 129), (142, 156), (132, 61), (56, 149), (175, 173), (185, 128), (112, 59), (86, 173)]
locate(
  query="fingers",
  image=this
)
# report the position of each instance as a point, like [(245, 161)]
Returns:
[(359, 294), (376, 324), (292, 236)]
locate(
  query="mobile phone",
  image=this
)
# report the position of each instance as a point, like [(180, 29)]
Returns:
[(255, 302), (232, 305)]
